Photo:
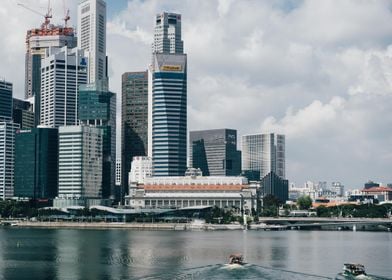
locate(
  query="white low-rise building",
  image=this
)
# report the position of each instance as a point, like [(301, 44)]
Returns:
[(193, 190)]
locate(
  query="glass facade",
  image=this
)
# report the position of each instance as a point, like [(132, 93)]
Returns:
[(134, 119), (169, 115), (97, 107), (36, 163), (215, 152), (5, 101)]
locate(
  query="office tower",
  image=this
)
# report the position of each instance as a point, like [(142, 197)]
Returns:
[(264, 153), (23, 113), (97, 107), (92, 37), (169, 114), (63, 71), (167, 35), (80, 162), (5, 100), (36, 163), (140, 170), (215, 152), (7, 157), (370, 184), (134, 112), (337, 188), (38, 41), (272, 184)]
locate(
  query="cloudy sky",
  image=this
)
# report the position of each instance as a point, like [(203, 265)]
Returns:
[(318, 71)]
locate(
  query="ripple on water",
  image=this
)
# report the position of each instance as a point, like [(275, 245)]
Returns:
[(239, 272)]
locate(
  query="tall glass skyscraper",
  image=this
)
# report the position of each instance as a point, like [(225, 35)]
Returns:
[(264, 153), (168, 98), (36, 163), (215, 152), (169, 115), (134, 128), (167, 35), (97, 108)]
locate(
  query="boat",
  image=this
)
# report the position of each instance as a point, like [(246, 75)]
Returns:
[(236, 259), (353, 271)]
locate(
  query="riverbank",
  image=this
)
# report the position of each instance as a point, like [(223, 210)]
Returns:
[(134, 226)]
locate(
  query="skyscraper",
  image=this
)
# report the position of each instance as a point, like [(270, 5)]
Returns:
[(167, 35), (23, 113), (5, 100), (169, 115), (36, 163), (7, 157), (38, 41), (92, 37), (134, 119), (63, 71), (215, 152), (264, 153), (80, 162), (168, 98), (97, 107)]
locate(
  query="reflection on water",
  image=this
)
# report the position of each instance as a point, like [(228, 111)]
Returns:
[(126, 254)]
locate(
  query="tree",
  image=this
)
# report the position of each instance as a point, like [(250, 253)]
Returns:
[(304, 202), (270, 206)]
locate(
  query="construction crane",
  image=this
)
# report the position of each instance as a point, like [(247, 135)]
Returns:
[(47, 16), (66, 15)]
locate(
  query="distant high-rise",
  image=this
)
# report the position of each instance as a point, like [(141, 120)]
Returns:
[(167, 35), (264, 153), (38, 41), (23, 113), (215, 152), (134, 119), (169, 115), (36, 163), (80, 162), (97, 107), (167, 112), (5, 101), (92, 37), (63, 71), (7, 157)]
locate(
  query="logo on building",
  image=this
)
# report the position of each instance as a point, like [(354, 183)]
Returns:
[(171, 68)]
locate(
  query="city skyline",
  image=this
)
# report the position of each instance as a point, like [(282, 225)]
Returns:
[(288, 83)]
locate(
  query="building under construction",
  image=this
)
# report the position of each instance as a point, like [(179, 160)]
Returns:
[(38, 41)]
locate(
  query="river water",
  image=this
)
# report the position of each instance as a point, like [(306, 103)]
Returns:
[(30, 253)]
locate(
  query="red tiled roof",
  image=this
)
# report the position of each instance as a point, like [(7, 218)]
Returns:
[(193, 187), (378, 189)]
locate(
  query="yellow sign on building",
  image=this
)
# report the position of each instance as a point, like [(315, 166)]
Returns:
[(171, 68)]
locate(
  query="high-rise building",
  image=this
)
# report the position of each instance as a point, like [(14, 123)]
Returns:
[(38, 41), (7, 158), (215, 152), (337, 188), (5, 100), (169, 114), (92, 37), (97, 107), (36, 163), (272, 184), (134, 127), (264, 153), (23, 113), (167, 35), (63, 71), (80, 162)]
